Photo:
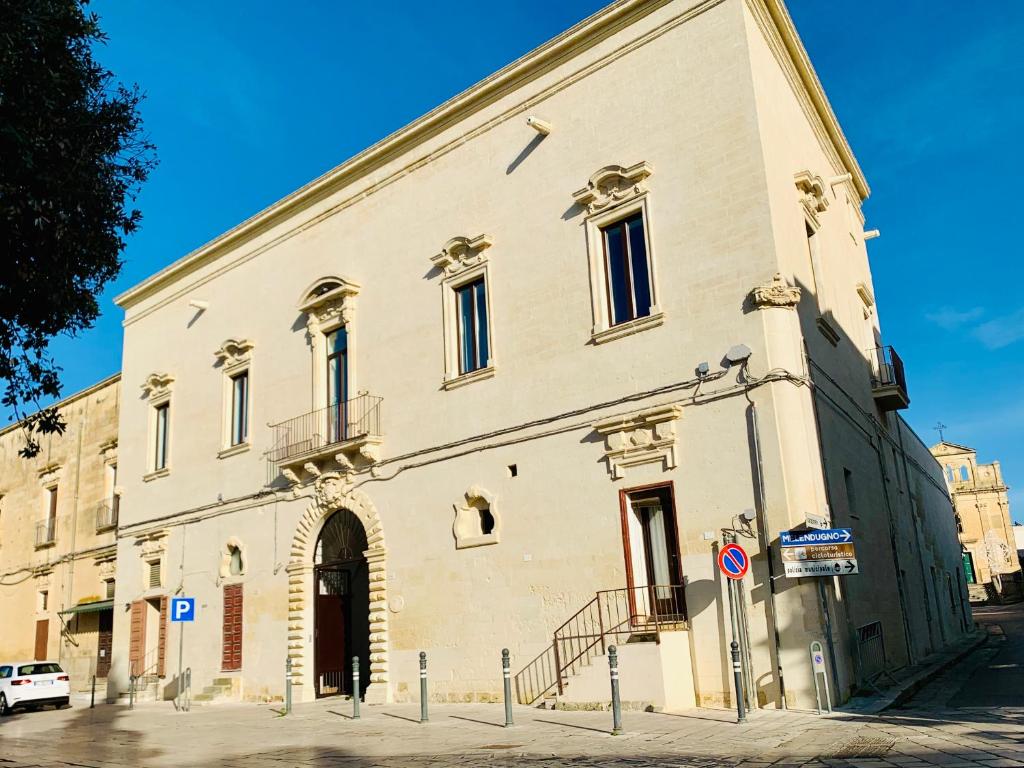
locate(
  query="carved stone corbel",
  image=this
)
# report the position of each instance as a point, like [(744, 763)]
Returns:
[(611, 185), (461, 253), (776, 293), (812, 194)]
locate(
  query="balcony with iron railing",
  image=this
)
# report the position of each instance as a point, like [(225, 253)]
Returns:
[(888, 380), (106, 514), (343, 432), (46, 533)]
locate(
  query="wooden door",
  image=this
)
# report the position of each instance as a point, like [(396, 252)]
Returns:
[(329, 660), (231, 651), (104, 643), (161, 640), (137, 639), (42, 638)]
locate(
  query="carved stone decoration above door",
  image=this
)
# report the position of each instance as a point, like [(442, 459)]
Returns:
[(645, 437)]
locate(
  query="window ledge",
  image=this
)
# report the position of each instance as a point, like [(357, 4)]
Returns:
[(234, 450), (46, 544), (469, 378), (156, 474), (476, 541), (628, 328)]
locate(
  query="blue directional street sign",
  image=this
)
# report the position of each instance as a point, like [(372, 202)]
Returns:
[(813, 538), (183, 609)]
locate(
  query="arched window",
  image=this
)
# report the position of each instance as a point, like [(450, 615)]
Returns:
[(949, 473), (964, 473), (235, 564), (342, 539)]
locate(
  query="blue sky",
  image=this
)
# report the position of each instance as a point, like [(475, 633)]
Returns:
[(246, 103)]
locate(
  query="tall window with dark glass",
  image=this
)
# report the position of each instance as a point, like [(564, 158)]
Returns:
[(627, 271), (474, 340)]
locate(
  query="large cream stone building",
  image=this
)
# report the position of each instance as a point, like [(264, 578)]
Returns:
[(507, 378), (58, 528), (982, 504)]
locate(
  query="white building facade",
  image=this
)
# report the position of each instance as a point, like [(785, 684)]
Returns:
[(494, 375)]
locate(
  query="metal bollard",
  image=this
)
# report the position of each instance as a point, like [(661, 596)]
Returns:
[(507, 675), (355, 687), (288, 685), (92, 696), (188, 689), (613, 670), (423, 686), (131, 692), (740, 712)]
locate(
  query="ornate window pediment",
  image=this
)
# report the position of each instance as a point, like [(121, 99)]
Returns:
[(641, 438), (329, 300), (776, 293), (462, 253), (812, 194), (234, 352), (158, 385), (612, 185)]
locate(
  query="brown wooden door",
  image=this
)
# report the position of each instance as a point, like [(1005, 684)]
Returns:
[(42, 638), (330, 645), (104, 643), (161, 640), (137, 640), (231, 652)]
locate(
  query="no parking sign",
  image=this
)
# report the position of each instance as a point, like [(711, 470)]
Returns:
[(733, 561)]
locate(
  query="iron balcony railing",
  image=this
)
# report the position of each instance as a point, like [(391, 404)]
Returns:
[(315, 431), (46, 532), (106, 513), (614, 616), (887, 369)]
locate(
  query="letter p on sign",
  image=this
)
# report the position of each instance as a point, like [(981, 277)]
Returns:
[(183, 609)]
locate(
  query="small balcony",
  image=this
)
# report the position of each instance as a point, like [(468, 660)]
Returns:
[(347, 433), (888, 381), (46, 533), (106, 514)]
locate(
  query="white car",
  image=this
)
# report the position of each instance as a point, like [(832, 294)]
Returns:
[(33, 684)]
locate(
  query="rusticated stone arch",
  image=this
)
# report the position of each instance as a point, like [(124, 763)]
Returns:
[(333, 492)]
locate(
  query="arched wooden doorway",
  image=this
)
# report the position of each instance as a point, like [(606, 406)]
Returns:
[(342, 605)]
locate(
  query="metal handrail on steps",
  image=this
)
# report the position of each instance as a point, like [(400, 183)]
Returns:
[(612, 615)]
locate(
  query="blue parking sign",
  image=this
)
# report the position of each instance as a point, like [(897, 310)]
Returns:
[(183, 609)]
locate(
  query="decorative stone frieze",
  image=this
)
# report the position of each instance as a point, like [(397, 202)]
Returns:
[(462, 253), (329, 302), (333, 491), (642, 438), (158, 385), (812, 194), (467, 526), (776, 293), (234, 352), (107, 568), (49, 475), (612, 185)]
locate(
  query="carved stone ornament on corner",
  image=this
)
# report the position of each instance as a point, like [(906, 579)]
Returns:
[(611, 185), (812, 194), (157, 385), (234, 351), (647, 437), (462, 253), (776, 293)]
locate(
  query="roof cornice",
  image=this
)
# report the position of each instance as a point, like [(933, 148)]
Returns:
[(527, 68)]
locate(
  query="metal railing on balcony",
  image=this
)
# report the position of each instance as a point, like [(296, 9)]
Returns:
[(887, 368), (320, 429), (106, 513), (613, 616), (46, 532)]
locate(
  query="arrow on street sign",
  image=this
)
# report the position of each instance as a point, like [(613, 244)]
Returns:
[(809, 538)]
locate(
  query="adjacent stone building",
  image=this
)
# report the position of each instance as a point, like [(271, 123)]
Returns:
[(982, 506), (511, 376), (58, 526)]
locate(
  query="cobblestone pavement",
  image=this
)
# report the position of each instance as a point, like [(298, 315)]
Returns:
[(936, 728)]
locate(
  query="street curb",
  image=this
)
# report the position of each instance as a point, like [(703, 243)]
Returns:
[(904, 690), (922, 678)]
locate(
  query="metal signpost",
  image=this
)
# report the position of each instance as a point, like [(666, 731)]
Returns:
[(734, 563), (182, 609), (818, 669), (827, 552)]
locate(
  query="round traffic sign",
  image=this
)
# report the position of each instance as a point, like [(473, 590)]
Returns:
[(733, 561)]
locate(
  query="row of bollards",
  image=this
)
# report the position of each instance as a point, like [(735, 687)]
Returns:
[(506, 674)]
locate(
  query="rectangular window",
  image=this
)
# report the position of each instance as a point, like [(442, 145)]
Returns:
[(474, 345), (337, 384), (109, 589), (154, 574), (44, 600), (160, 455), (240, 408), (628, 279)]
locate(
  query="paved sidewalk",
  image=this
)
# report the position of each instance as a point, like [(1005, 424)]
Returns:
[(323, 734)]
